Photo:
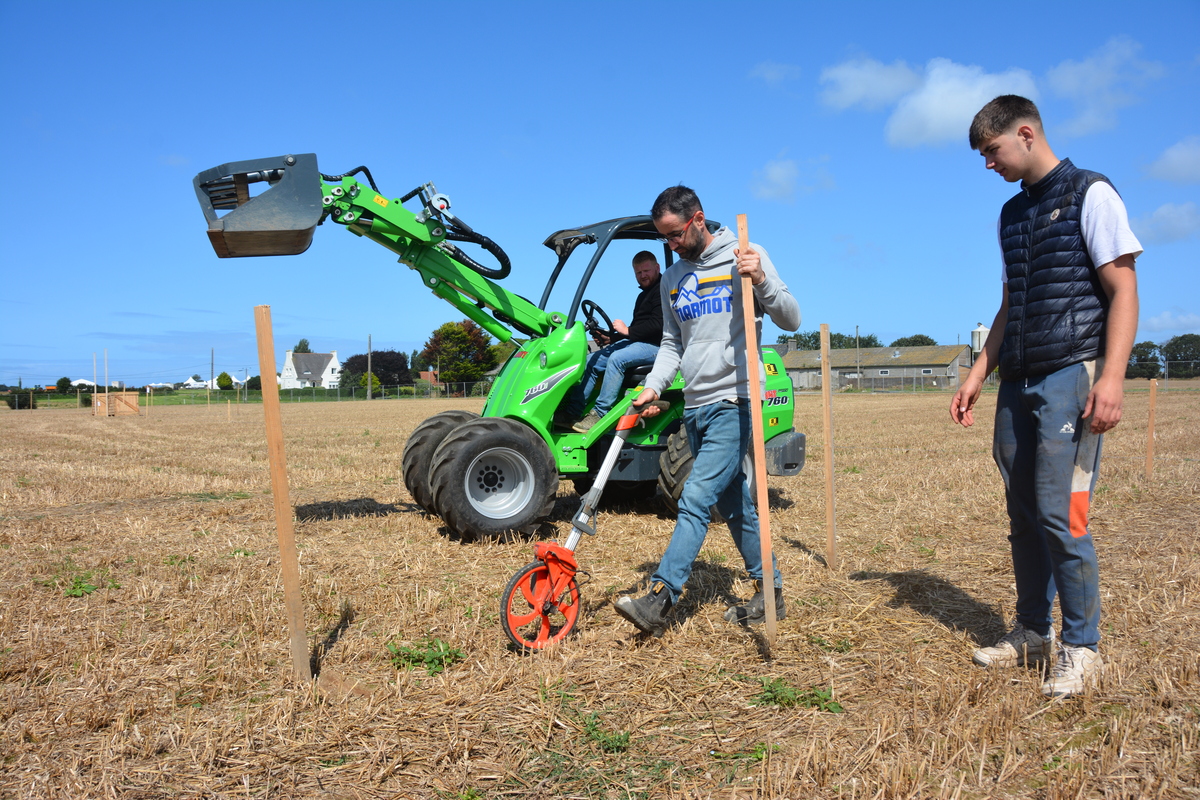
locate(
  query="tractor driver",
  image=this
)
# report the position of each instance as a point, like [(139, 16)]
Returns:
[(635, 345)]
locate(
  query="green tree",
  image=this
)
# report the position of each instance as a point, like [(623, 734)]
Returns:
[(502, 350), (254, 384), (224, 382), (63, 386), (389, 366), (811, 340), (416, 363), (461, 350), (302, 347), (1182, 354), (197, 378), (1144, 361), (375, 384), (916, 340)]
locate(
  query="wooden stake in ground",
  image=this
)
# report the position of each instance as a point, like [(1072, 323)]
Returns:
[(288, 557), (827, 403), (760, 452), (1150, 430)]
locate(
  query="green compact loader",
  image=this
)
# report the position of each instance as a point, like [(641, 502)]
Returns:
[(486, 474)]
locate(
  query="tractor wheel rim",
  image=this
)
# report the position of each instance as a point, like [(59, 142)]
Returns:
[(499, 483)]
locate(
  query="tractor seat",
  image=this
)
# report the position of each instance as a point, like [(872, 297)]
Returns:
[(636, 376)]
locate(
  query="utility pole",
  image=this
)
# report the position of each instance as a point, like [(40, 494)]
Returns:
[(369, 375), (212, 375), (857, 360)]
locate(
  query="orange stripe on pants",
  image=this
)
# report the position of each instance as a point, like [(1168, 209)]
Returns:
[(1079, 513)]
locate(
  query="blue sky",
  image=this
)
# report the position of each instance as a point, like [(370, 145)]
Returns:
[(838, 128)]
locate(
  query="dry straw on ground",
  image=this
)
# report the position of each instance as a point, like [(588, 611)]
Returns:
[(143, 651)]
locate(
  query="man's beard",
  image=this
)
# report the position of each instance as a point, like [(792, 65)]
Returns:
[(691, 249)]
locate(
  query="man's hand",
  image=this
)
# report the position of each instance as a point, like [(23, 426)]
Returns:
[(644, 403), (1104, 404), (749, 263), (963, 405), (620, 327)]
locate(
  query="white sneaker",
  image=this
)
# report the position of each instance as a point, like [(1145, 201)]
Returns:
[(1075, 669), (1018, 647)]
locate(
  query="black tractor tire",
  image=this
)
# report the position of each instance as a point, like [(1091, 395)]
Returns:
[(418, 453), (674, 467), (493, 475)]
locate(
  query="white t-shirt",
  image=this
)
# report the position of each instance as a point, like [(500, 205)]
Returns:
[(1105, 226)]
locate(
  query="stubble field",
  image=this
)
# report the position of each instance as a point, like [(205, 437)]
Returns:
[(144, 653)]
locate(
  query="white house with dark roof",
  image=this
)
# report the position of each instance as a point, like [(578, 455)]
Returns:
[(304, 370)]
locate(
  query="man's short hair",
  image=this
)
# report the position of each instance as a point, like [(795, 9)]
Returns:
[(1000, 115), (678, 200), (643, 257)]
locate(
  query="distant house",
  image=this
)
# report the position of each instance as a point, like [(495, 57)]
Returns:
[(428, 375), (881, 368), (305, 370), (192, 383)]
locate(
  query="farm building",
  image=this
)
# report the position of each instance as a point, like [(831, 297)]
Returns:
[(304, 370), (881, 368)]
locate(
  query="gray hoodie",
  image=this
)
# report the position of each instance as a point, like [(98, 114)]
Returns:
[(703, 336)]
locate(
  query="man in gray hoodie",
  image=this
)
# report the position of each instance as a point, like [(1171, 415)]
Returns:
[(704, 339)]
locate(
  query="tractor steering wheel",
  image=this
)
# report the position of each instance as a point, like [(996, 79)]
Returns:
[(592, 326)]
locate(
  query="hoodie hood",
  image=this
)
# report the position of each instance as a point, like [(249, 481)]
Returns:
[(719, 252)]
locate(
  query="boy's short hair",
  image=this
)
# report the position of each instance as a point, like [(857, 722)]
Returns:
[(643, 256), (1000, 115), (678, 200)]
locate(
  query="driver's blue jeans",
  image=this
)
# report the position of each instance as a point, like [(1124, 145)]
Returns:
[(719, 435), (607, 366)]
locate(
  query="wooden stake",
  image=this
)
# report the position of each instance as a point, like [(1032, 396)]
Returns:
[(760, 452), (827, 403), (1150, 430), (279, 489)]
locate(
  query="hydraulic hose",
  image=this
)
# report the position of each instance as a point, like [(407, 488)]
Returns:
[(458, 235), (355, 171)]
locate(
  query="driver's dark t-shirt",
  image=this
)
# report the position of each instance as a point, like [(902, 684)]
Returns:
[(647, 316)]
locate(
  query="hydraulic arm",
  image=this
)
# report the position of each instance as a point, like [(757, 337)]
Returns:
[(281, 221)]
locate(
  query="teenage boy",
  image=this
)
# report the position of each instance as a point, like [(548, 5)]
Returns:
[(1061, 340)]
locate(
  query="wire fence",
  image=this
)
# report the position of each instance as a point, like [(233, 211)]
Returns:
[(316, 394)]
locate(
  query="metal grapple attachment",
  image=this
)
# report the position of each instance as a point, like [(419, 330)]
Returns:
[(278, 222)]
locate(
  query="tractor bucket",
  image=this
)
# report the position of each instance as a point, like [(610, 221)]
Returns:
[(278, 222)]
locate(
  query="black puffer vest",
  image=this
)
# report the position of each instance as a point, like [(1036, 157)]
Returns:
[(1056, 305)]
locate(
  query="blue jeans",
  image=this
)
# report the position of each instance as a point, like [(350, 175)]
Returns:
[(607, 365), (1049, 459), (719, 435)]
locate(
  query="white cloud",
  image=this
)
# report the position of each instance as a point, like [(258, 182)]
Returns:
[(1179, 163), (950, 95), (783, 178), (776, 180), (1101, 84), (1177, 320), (867, 83), (932, 107), (1170, 222), (774, 73)]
